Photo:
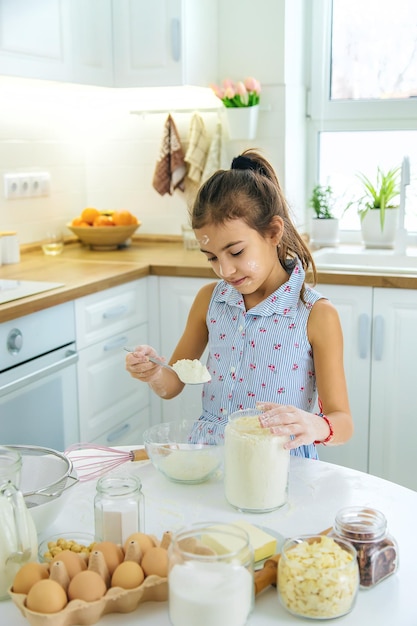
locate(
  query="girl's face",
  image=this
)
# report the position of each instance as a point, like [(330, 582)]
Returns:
[(242, 257)]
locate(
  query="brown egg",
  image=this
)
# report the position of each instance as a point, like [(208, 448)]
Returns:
[(46, 596), (145, 541), (113, 554), (155, 561), (127, 575), (28, 575), (72, 561), (88, 586)]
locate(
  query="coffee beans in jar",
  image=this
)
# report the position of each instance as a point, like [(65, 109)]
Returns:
[(377, 550)]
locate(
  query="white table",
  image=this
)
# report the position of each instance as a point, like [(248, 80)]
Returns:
[(317, 491)]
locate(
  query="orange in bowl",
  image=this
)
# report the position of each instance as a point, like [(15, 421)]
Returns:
[(103, 220), (89, 215)]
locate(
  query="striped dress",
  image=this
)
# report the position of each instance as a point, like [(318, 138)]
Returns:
[(260, 355)]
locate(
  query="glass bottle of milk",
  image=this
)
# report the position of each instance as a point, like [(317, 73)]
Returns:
[(256, 465)]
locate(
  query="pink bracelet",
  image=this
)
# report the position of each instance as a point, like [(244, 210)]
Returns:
[(331, 433)]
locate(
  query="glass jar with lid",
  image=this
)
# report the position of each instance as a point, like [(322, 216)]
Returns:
[(256, 464), (118, 508), (318, 576), (377, 550)]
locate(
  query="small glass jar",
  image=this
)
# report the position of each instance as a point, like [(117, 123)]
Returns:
[(210, 575), (366, 530), (256, 465), (318, 576), (119, 509)]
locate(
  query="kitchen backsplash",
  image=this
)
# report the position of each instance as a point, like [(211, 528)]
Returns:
[(100, 154)]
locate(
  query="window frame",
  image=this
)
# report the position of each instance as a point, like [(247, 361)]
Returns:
[(326, 115)]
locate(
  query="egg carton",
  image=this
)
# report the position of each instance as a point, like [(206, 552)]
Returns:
[(116, 600)]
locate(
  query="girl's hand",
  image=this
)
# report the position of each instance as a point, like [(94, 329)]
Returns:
[(139, 366), (302, 426)]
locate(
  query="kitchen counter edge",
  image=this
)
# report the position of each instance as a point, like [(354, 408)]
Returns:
[(83, 271)]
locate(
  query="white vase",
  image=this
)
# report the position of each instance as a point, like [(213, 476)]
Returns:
[(324, 232), (242, 122), (372, 235)]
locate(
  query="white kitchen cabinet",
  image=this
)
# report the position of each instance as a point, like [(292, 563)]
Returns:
[(354, 305), (380, 341), (121, 43), (164, 42), (114, 408), (175, 297), (63, 40)]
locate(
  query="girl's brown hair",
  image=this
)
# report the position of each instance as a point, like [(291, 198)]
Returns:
[(250, 191)]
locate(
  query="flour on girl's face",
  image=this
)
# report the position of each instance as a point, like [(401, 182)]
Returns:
[(204, 240), (253, 265)]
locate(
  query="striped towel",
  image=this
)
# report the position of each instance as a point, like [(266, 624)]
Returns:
[(198, 145), (213, 160), (170, 168)]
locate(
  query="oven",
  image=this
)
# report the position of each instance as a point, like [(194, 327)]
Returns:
[(38, 379)]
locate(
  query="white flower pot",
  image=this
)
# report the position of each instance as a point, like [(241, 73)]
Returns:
[(372, 235), (324, 232), (242, 122)]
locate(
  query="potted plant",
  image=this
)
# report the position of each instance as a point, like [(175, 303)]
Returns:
[(324, 225), (378, 208), (241, 102)]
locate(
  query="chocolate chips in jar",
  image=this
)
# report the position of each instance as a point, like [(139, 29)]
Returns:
[(377, 550)]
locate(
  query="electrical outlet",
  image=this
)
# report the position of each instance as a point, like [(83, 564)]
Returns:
[(26, 185)]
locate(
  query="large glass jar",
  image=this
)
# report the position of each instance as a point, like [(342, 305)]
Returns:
[(118, 508), (210, 578), (366, 530), (318, 576), (256, 465)]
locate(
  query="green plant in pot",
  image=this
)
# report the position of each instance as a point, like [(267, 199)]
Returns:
[(324, 226), (322, 202), (378, 207)]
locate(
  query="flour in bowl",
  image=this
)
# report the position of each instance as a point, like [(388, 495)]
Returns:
[(191, 371), (190, 465)]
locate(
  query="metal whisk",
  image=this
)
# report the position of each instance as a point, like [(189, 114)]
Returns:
[(101, 460)]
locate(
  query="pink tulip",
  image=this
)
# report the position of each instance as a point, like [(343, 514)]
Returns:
[(229, 92), (252, 84), (228, 83), (241, 89), (218, 91)]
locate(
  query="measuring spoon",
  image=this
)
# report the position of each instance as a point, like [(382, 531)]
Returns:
[(182, 378)]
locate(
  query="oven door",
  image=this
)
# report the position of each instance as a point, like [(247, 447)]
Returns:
[(38, 401)]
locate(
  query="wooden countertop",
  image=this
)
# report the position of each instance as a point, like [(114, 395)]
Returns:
[(83, 271)]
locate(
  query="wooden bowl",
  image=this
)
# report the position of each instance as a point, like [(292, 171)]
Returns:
[(104, 237)]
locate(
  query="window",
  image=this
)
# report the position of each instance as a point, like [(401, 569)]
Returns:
[(363, 105)]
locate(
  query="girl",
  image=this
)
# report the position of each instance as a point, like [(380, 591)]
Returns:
[(273, 341)]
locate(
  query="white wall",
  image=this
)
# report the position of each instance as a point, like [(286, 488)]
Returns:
[(99, 154)]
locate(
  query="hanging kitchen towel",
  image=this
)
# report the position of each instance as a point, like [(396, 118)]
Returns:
[(198, 145), (170, 168), (213, 160)]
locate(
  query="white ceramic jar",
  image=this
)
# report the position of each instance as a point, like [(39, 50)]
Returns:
[(256, 465)]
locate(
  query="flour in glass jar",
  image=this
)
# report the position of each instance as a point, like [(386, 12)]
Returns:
[(223, 594)]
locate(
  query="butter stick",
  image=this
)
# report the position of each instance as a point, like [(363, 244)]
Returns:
[(264, 544)]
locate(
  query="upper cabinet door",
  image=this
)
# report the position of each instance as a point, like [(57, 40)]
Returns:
[(164, 42), (35, 39), (92, 42)]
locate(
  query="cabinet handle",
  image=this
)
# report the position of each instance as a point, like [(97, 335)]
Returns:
[(364, 330), (116, 311), (176, 39), (115, 343), (116, 434), (378, 337)]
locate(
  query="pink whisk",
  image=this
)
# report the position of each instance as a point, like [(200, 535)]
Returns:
[(91, 466)]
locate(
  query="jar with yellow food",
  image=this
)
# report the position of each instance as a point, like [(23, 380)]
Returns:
[(318, 577)]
